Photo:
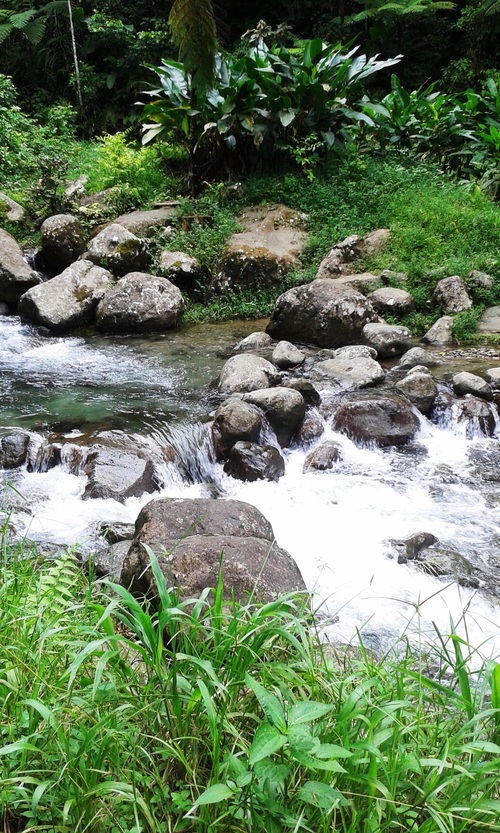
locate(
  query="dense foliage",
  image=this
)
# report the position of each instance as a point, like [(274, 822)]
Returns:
[(203, 716)]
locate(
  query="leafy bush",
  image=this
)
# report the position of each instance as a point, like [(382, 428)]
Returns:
[(265, 99)]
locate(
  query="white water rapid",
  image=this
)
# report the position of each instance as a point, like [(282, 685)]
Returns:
[(335, 524)]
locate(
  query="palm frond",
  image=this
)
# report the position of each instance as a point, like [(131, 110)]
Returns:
[(193, 30)]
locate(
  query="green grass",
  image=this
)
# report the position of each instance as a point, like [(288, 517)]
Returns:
[(205, 716)]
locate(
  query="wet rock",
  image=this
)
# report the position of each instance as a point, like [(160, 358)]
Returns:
[(464, 383), (388, 340), (493, 376), (284, 409), (305, 388), (254, 341), (250, 461), (15, 275), (311, 429), (323, 457), (409, 548), (350, 373), (115, 532), (477, 414), (188, 536), (246, 372), (450, 294), (234, 420), (268, 247), (441, 332), (321, 313), (140, 303), (118, 250), (438, 561), (420, 388), (382, 419), (118, 473), (180, 268), (391, 300), (67, 301), (417, 356), (14, 449), (62, 240), (286, 355)]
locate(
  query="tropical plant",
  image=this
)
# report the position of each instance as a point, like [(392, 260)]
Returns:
[(265, 100)]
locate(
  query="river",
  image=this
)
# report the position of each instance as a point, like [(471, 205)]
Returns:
[(335, 524)]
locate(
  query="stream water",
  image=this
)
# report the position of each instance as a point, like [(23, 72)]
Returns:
[(335, 524)]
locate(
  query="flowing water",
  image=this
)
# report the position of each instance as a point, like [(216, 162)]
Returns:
[(335, 524)]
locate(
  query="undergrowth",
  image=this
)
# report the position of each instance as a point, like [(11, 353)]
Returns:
[(204, 715)]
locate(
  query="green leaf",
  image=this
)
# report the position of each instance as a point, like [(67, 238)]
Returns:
[(269, 703), (286, 117), (320, 795), (267, 740), (307, 712), (214, 794)]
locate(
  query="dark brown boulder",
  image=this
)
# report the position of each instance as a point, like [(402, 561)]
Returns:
[(250, 461), (383, 419)]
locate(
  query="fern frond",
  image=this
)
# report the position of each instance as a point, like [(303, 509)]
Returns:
[(193, 30), (34, 31), (55, 591)]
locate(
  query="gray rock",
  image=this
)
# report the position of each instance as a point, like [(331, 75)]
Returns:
[(438, 561), (140, 303), (490, 321), (286, 355), (480, 279), (11, 210), (323, 457), (67, 301), (350, 373), (342, 254), (116, 532), (441, 332), (146, 223), (361, 281), (387, 340), (118, 250), (477, 415), (108, 563), (381, 419), (305, 388), (388, 299), (15, 275), (62, 240), (354, 351), (14, 449), (493, 376), (284, 409), (420, 388), (409, 548), (311, 429), (189, 536), (254, 341), (234, 420), (417, 356), (249, 462), (246, 372), (321, 313), (118, 473), (450, 294), (464, 383), (180, 268)]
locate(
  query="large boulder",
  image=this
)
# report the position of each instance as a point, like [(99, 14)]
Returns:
[(490, 321), (387, 340), (189, 537), (14, 449), (140, 303), (180, 268), (441, 332), (234, 420), (323, 313), (383, 419), (350, 372), (117, 249), (16, 277), (146, 223), (251, 461), (267, 247), (450, 294), (68, 300), (11, 210), (464, 383), (284, 409), (245, 372), (63, 241), (340, 257)]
